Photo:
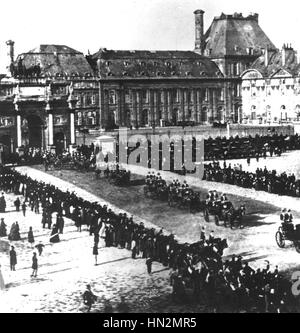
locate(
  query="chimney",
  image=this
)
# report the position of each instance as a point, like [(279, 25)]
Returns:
[(283, 55), (266, 57), (10, 55), (199, 31)]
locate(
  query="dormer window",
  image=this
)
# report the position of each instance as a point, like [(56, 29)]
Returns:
[(249, 50)]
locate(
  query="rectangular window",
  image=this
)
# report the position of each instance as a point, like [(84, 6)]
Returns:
[(112, 97), (222, 95), (127, 96), (145, 96), (206, 95)]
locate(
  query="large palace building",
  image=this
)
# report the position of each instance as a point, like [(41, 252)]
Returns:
[(53, 93)]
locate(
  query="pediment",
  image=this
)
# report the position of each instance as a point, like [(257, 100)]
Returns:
[(281, 73), (251, 74)]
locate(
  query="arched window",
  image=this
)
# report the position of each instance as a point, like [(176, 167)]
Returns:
[(283, 113)]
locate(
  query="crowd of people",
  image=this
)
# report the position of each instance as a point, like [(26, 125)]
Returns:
[(261, 180), (198, 267)]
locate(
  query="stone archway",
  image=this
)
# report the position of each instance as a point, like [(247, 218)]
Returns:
[(35, 131)]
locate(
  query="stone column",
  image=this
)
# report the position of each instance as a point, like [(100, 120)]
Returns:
[(139, 108), (72, 104), (215, 106), (19, 131), (195, 105), (186, 105), (151, 113), (118, 97), (210, 108), (181, 101), (156, 108), (133, 118), (170, 107), (72, 127), (165, 105), (50, 125)]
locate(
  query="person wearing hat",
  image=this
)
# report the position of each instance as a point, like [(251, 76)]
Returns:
[(3, 232), (290, 218), (89, 298), (202, 234), (282, 214), (13, 258), (34, 265)]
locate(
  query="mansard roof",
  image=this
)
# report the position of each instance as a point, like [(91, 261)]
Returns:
[(275, 66), (56, 60), (140, 63), (234, 35)]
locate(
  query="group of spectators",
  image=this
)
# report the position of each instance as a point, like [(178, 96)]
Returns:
[(261, 180), (197, 267)]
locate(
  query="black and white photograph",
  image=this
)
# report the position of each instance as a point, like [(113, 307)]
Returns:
[(149, 158)]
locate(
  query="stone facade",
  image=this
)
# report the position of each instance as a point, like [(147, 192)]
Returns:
[(271, 88), (53, 93)]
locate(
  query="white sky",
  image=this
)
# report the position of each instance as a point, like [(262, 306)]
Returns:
[(132, 24)]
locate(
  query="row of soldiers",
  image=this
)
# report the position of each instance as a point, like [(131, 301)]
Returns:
[(262, 179), (198, 263)]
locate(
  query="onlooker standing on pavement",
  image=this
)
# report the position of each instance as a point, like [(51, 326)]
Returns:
[(89, 298), (17, 204), (13, 258), (34, 265), (30, 236), (95, 252), (2, 203), (149, 262), (3, 232), (24, 208), (40, 248)]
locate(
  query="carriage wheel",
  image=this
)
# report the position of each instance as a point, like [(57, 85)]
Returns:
[(217, 220), (297, 246), (280, 239), (206, 215)]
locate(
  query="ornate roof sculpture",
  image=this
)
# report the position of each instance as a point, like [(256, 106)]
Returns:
[(52, 61)]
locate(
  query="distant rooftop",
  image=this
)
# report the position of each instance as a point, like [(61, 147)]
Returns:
[(141, 63)]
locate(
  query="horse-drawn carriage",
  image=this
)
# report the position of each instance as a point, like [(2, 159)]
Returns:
[(288, 232), (224, 211), (118, 177)]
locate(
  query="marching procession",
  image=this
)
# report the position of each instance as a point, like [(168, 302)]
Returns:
[(198, 267), (198, 270)]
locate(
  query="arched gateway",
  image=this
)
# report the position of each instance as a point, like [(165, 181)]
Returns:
[(35, 131)]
